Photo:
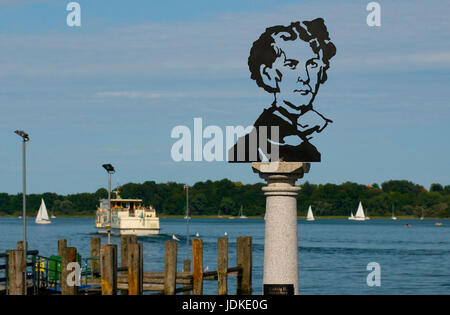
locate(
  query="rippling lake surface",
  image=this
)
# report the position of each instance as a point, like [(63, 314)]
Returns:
[(333, 254)]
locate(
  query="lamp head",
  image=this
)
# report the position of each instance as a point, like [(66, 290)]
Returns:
[(23, 134), (109, 168)]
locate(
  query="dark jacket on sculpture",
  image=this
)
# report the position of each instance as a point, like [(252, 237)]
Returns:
[(260, 140)]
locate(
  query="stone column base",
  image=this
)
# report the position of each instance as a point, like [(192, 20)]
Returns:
[(281, 236)]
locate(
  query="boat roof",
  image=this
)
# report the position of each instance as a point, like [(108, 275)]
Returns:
[(129, 200)]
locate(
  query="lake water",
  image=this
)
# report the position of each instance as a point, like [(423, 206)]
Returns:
[(333, 254)]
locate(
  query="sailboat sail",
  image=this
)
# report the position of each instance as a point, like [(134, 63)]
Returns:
[(310, 216), (360, 213), (42, 216), (393, 215), (241, 214)]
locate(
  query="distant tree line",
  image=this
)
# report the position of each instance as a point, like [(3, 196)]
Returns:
[(227, 197)]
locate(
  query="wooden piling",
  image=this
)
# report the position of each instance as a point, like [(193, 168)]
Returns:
[(16, 272), (135, 265), (197, 266), (69, 255), (20, 245), (124, 241), (222, 266), (244, 261), (61, 245), (132, 239), (186, 268), (170, 267), (108, 267), (95, 253)]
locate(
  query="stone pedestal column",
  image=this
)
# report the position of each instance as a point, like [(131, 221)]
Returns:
[(281, 236)]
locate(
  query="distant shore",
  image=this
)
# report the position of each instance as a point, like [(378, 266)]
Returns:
[(163, 216)]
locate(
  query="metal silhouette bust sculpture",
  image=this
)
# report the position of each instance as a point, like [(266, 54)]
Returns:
[(290, 62)]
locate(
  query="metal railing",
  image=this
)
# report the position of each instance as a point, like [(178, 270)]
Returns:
[(43, 274), (48, 270), (30, 275)]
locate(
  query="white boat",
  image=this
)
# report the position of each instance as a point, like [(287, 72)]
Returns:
[(128, 217), (310, 216), (241, 214), (393, 215), (351, 217), (42, 216), (359, 216)]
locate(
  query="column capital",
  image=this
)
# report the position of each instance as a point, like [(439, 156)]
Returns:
[(283, 175)]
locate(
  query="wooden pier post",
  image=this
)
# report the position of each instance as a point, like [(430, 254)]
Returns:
[(108, 267), (61, 245), (124, 241), (222, 266), (197, 266), (69, 255), (170, 267), (135, 264), (132, 239), (16, 272), (186, 268), (96, 243), (244, 261), (20, 245)]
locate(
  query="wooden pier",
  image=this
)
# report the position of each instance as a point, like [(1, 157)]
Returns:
[(104, 274)]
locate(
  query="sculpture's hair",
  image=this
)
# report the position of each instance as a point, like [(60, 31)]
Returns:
[(265, 51)]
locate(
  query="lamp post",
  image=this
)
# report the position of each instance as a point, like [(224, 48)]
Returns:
[(25, 138), (110, 169), (186, 187)]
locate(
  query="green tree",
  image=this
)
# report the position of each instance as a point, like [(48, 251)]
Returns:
[(436, 187)]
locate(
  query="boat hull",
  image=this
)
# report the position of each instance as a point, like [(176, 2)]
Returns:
[(43, 222), (137, 232)]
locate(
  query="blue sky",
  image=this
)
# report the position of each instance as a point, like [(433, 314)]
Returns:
[(111, 90)]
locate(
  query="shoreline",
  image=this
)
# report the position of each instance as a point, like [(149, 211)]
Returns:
[(236, 217)]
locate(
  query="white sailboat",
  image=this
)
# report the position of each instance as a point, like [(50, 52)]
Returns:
[(42, 216), (241, 214), (393, 215), (359, 216), (310, 216), (351, 217)]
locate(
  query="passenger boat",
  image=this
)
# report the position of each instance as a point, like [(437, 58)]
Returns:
[(128, 217)]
